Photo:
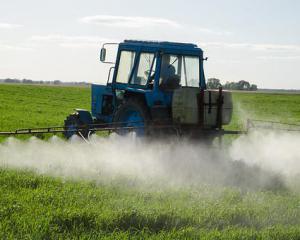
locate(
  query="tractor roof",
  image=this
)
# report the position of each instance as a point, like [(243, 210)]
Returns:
[(162, 45)]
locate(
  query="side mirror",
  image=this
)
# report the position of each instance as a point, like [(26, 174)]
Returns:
[(102, 54)]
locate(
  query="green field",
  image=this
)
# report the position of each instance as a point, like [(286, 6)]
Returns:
[(35, 206), (25, 106)]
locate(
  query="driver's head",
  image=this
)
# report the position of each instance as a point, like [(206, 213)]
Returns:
[(166, 59)]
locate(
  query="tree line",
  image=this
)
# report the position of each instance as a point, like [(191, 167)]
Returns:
[(214, 83), (29, 81)]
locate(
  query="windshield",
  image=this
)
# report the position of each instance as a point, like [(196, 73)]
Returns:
[(144, 70), (181, 70)]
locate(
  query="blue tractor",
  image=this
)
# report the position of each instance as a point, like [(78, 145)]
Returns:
[(154, 87)]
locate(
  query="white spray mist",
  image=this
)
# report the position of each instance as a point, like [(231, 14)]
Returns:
[(176, 162)]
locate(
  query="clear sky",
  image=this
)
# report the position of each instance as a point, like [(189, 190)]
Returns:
[(257, 41)]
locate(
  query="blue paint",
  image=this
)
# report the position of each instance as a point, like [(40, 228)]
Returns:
[(84, 116), (132, 118), (98, 91)]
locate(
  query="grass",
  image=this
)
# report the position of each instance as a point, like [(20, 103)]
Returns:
[(26, 106), (265, 106), (41, 207)]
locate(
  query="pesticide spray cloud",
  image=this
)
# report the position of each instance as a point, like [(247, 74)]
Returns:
[(251, 161), (277, 151)]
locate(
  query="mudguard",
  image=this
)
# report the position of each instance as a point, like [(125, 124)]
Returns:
[(84, 116)]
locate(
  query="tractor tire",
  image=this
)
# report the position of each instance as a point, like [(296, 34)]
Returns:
[(72, 123), (132, 113)]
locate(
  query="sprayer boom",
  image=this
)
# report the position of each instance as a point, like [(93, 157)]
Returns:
[(92, 128), (85, 130)]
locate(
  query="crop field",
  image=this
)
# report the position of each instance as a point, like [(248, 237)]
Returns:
[(34, 205), (48, 105)]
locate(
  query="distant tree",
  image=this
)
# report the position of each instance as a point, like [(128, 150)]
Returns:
[(57, 82), (243, 85), (213, 83), (27, 81), (253, 87), (9, 80), (230, 85)]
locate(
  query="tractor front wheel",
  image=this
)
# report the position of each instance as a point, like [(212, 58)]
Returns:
[(131, 116), (72, 126)]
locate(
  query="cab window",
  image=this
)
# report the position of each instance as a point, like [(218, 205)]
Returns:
[(145, 69), (179, 71), (125, 66)]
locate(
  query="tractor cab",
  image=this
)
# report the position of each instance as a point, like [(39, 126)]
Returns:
[(153, 65)]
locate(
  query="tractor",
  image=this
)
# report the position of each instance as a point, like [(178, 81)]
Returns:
[(154, 88)]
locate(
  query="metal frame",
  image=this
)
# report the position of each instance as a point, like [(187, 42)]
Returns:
[(107, 127), (109, 74)]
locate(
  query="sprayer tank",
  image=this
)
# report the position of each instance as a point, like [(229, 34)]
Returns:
[(185, 107)]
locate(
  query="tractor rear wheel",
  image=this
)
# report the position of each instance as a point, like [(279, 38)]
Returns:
[(134, 114), (72, 123)]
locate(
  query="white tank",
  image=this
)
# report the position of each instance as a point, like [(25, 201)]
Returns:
[(185, 108)]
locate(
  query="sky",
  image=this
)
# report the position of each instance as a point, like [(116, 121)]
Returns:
[(257, 41)]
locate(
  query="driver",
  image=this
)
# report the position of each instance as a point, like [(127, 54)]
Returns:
[(167, 70)]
